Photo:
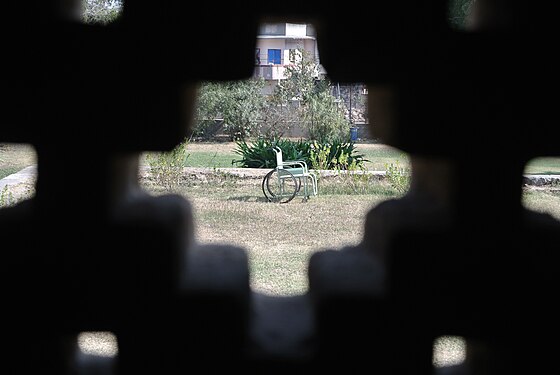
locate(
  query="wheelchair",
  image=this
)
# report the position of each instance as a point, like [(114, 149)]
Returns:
[(289, 179)]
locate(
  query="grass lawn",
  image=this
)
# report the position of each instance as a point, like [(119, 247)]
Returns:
[(380, 155), (218, 155)]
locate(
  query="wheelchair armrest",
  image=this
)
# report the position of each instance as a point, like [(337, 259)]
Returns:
[(301, 163)]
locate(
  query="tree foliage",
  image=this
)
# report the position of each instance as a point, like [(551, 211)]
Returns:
[(101, 11), (303, 97), (238, 104), (301, 77), (319, 113), (277, 118), (323, 117)]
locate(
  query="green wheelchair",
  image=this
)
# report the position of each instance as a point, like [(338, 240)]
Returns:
[(289, 179)]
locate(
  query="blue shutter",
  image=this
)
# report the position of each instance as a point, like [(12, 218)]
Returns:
[(274, 56)]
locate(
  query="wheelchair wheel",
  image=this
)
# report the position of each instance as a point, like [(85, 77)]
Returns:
[(280, 186)]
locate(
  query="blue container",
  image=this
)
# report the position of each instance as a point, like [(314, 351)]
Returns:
[(353, 134)]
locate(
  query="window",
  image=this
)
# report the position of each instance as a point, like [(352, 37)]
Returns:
[(274, 56)]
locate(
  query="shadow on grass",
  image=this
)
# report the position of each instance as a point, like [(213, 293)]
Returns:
[(248, 198), (251, 198)]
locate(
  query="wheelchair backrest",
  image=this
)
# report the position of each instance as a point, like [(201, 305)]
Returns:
[(279, 159)]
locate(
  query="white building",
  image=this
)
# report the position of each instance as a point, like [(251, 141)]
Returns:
[(277, 45)]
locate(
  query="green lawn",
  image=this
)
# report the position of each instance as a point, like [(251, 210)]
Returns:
[(543, 166), (208, 155), (379, 156), (210, 159)]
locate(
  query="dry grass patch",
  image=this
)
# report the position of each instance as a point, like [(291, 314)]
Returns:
[(219, 147), (543, 199), (15, 156), (279, 238)]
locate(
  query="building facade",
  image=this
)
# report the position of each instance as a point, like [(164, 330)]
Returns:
[(278, 45)]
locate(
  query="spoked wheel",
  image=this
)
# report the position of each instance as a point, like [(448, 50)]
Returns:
[(280, 186), (299, 181)]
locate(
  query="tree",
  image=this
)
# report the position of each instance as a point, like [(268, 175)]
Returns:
[(323, 117), (319, 113), (208, 109), (301, 77), (238, 104), (277, 118)]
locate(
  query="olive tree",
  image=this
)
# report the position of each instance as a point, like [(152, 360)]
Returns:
[(237, 104), (311, 97)]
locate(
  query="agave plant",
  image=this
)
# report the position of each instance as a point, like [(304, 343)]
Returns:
[(259, 154)]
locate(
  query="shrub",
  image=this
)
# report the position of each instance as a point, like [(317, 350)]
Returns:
[(335, 155), (166, 168), (398, 177), (6, 197)]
